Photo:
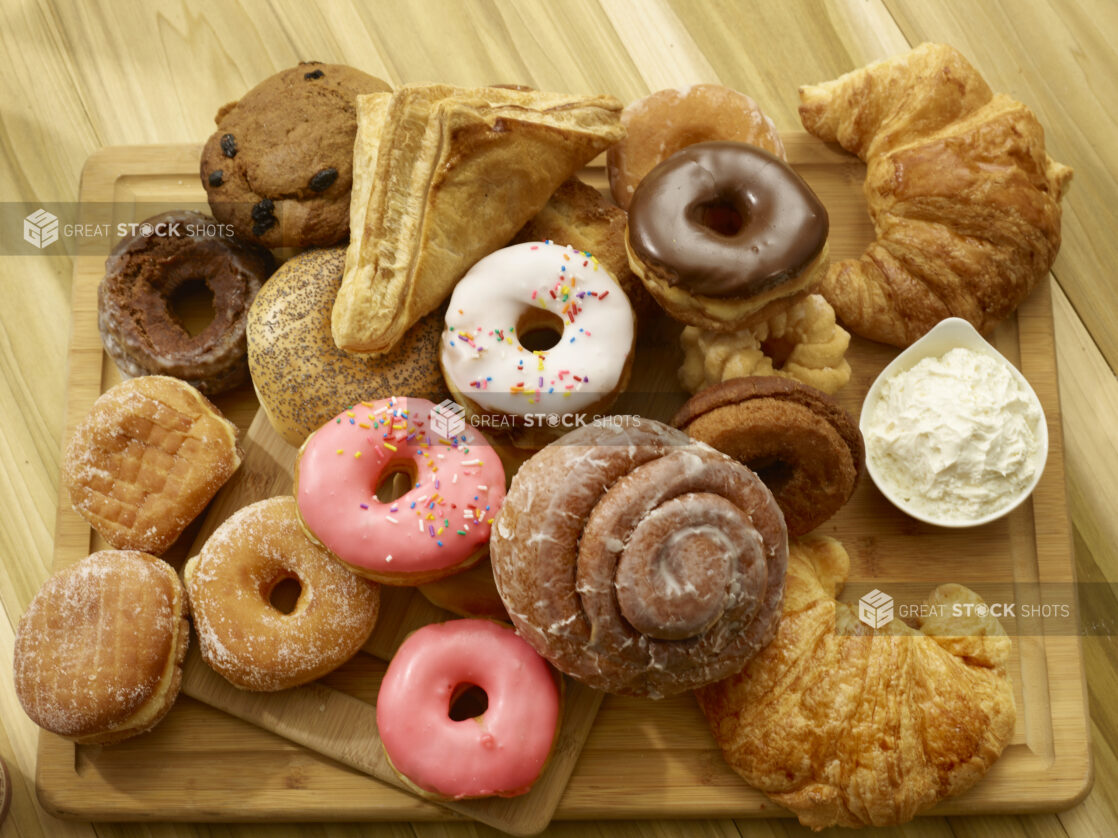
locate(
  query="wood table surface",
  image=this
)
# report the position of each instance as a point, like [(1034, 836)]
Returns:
[(79, 76)]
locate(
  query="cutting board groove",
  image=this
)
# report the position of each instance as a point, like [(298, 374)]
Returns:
[(641, 759)]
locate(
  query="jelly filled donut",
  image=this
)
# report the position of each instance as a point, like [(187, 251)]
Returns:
[(440, 526), (139, 326), (663, 122), (522, 293), (253, 643), (500, 752), (725, 234), (99, 651), (799, 440)]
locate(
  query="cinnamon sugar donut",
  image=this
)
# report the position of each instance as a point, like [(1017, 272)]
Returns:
[(639, 561), (139, 327), (248, 639), (799, 440), (99, 651), (662, 123), (803, 342)]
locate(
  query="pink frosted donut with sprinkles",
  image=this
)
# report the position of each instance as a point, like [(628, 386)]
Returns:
[(438, 527), (537, 330)]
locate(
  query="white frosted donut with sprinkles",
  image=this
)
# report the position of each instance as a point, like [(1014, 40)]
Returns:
[(438, 527), (537, 328)]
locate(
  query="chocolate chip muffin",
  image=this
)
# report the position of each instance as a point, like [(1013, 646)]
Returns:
[(280, 165)]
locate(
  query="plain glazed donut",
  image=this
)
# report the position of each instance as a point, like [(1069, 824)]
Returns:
[(537, 287), (99, 651), (662, 123), (440, 526), (799, 440), (242, 635), (500, 752), (725, 234), (301, 377), (138, 326), (640, 561)]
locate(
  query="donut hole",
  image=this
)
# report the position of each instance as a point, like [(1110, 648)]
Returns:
[(191, 305), (467, 701), (539, 330), (720, 217), (774, 473), (395, 482), (284, 594), (778, 351)]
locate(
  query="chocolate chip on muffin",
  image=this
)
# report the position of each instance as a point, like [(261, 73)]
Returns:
[(280, 165)]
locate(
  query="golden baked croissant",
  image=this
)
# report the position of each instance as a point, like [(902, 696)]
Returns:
[(847, 727), (964, 199)]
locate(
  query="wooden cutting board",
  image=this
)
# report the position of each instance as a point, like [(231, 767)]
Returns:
[(642, 759)]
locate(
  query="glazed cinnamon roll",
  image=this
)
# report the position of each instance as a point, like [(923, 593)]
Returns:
[(640, 561)]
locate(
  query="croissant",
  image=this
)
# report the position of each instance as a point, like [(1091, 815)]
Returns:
[(965, 201), (847, 727), (639, 561)]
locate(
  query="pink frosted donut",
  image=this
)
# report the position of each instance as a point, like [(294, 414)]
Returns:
[(500, 752), (440, 526)]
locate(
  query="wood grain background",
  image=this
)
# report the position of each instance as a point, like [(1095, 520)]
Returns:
[(78, 76)]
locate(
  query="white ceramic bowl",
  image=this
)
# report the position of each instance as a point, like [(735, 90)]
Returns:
[(946, 335)]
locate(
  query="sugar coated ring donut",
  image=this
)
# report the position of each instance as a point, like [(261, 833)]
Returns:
[(250, 641), (799, 440), (662, 123), (803, 342), (440, 526), (301, 377), (530, 288), (139, 327), (500, 752), (723, 234)]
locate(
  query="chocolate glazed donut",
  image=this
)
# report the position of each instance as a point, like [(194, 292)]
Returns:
[(725, 235), (638, 561), (744, 222)]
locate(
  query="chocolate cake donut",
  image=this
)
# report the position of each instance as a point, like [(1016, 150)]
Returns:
[(139, 327), (799, 440)]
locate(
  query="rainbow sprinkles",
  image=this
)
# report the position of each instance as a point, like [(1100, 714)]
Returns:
[(442, 520), (551, 288)]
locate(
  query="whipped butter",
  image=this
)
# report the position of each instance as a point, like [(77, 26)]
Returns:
[(956, 437)]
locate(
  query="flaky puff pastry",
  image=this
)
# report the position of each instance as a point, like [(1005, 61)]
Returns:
[(964, 199), (845, 726), (443, 176)]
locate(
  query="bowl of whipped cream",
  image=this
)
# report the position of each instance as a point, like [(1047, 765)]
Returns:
[(955, 436)]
